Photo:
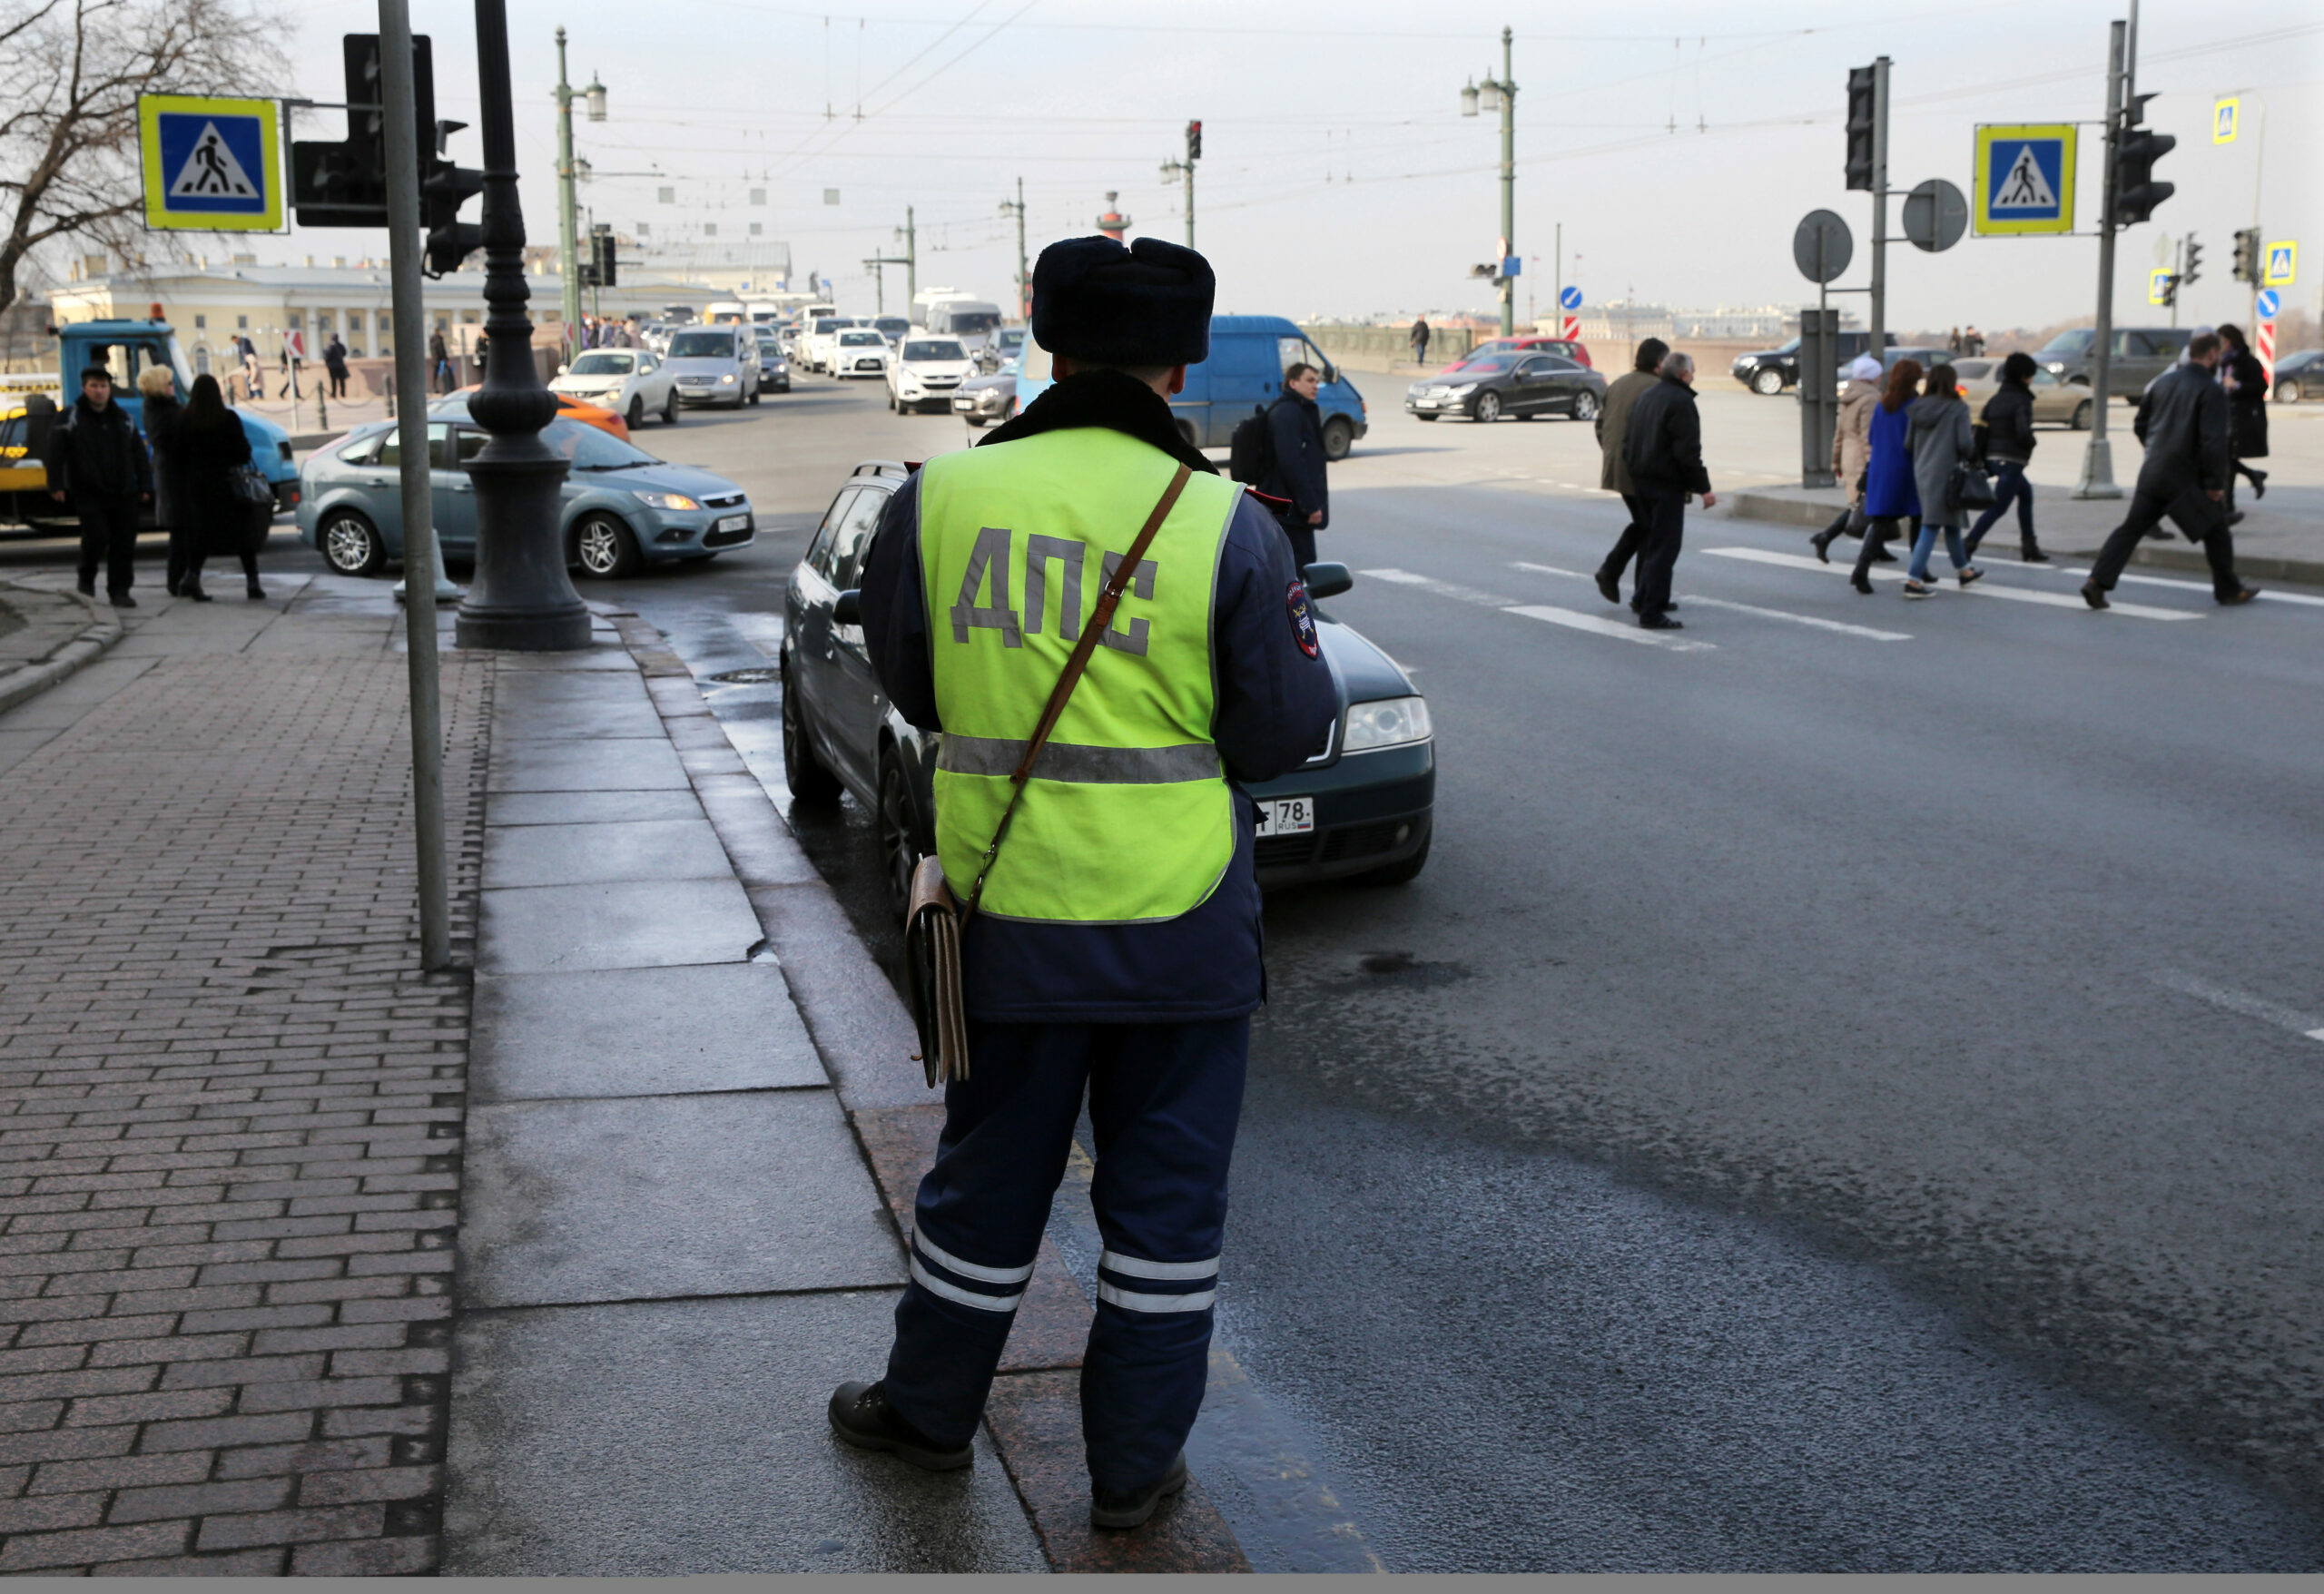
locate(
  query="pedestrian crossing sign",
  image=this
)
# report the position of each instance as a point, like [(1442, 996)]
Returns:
[(209, 165), (2158, 285), (2224, 115), (2281, 258), (2024, 177)]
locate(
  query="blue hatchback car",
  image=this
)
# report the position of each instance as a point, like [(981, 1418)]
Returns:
[(623, 508)]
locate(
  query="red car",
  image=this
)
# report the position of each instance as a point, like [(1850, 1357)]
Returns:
[(1572, 350)]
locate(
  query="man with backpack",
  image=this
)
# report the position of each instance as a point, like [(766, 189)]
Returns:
[(1291, 470)]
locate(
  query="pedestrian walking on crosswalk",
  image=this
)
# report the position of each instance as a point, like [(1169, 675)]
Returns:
[(2007, 445), (2245, 382), (1851, 451), (1663, 447), (2183, 424), (1942, 441), (1889, 492), (1613, 474)]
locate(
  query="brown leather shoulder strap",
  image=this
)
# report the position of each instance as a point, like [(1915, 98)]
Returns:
[(1091, 634)]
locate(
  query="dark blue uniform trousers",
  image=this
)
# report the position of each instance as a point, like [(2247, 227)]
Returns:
[(1163, 1100)]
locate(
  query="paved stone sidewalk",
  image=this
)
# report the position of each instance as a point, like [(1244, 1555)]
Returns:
[(230, 1110)]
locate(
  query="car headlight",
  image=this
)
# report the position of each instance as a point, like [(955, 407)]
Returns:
[(728, 380), (2057, 366), (1457, 392), (1386, 723), (665, 500)]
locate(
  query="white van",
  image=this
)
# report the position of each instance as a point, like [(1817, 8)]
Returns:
[(724, 312)]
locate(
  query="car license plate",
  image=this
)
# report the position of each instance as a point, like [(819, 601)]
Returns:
[(1287, 816), (731, 523)]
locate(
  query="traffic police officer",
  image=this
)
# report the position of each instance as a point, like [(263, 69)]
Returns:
[(1115, 948)]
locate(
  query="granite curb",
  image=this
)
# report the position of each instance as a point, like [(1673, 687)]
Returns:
[(869, 1046), (29, 681)]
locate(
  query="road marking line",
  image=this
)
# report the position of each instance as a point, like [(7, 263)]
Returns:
[(2053, 600), (2238, 1001), (1712, 603), (1567, 618), (2270, 596)]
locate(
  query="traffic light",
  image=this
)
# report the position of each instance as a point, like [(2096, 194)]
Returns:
[(2187, 266), (2171, 291), (1861, 115), (345, 184), (597, 270), (2246, 256), (2136, 191), (443, 191), (1194, 142)]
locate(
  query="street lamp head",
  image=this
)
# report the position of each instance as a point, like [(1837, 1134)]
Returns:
[(582, 170), (1489, 96), (1469, 100), (596, 92)]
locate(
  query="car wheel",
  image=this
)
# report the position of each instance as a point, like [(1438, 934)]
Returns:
[(899, 852), (1767, 383), (636, 418), (1585, 407), (1487, 408), (1402, 872), (2288, 392), (605, 549), (802, 771), (670, 409), (350, 544), (2082, 415), (1339, 436)]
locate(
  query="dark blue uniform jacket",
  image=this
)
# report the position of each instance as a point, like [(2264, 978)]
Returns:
[(1275, 708)]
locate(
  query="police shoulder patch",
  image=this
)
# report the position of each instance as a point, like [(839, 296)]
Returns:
[(1303, 619)]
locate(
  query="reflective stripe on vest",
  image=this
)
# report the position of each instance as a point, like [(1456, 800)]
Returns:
[(1128, 817)]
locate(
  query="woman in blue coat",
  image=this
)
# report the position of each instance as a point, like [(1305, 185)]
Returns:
[(1889, 494)]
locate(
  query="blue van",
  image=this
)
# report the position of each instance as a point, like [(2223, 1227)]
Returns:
[(1248, 355)]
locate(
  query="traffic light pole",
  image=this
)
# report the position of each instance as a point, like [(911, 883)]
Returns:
[(1879, 312), (568, 248), (1024, 282), (1508, 186), (2098, 458), (419, 552)]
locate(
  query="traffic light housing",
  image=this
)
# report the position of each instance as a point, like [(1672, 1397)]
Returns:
[(2171, 291), (2246, 256), (2188, 271), (345, 184), (2136, 190), (1862, 113), (1194, 142), (443, 189), (598, 271)]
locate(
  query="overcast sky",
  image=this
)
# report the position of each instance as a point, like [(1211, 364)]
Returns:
[(1676, 143)]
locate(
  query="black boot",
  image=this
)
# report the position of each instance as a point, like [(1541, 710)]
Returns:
[(2259, 484), (1130, 1508), (862, 1416), (87, 585), (254, 589), (192, 589), (2032, 555)]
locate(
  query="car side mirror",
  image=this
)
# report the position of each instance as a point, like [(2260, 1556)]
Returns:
[(847, 609), (1327, 579), (1330, 374)]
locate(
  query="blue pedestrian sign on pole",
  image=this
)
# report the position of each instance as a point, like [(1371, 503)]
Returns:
[(2025, 178), (1568, 297), (2268, 302), (210, 166)]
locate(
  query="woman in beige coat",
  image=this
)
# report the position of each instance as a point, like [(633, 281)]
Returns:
[(1851, 452)]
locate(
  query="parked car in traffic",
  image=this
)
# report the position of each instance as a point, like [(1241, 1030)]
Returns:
[(816, 342), (2140, 355), (2300, 375), (627, 381), (1005, 344), (926, 372), (716, 365), (985, 400), (620, 507), (894, 329), (1532, 342), (1769, 371), (1487, 386), (1362, 808), (859, 351), (1248, 355), (774, 366), (2055, 401)]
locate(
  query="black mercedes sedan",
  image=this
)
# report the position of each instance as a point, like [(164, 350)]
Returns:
[(1360, 809), (1518, 382)]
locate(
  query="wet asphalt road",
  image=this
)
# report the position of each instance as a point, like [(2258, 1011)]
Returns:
[(1832, 1103)]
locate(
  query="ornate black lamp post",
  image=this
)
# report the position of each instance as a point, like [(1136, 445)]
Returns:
[(521, 597)]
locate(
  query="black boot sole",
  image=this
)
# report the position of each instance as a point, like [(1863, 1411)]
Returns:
[(1137, 1510)]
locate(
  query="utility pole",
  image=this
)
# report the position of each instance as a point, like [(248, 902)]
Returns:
[(1879, 344), (1186, 169), (568, 248), (910, 233), (1501, 94), (2098, 457), (1024, 284), (877, 265), (399, 117)]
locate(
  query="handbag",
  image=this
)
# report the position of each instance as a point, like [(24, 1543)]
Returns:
[(934, 920), (1970, 488), (249, 486)]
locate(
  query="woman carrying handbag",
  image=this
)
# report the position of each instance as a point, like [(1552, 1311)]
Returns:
[(1943, 444), (214, 465)]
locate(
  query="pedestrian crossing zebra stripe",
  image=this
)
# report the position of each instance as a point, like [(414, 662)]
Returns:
[(2051, 600)]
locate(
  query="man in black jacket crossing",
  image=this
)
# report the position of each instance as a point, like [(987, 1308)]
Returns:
[(1664, 451), (2183, 423)]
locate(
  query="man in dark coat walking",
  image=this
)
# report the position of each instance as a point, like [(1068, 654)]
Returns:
[(1420, 340), (1663, 448), (97, 461), (335, 365), (2245, 382), (1296, 428), (2183, 422), (1613, 427)]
